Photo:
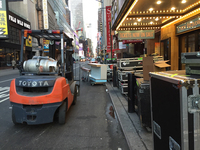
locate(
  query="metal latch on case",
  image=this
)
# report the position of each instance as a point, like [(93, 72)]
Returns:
[(193, 103)]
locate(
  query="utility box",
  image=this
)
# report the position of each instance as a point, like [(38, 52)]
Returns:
[(150, 66)]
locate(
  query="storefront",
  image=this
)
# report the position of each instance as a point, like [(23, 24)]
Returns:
[(176, 26), (10, 48), (189, 36)]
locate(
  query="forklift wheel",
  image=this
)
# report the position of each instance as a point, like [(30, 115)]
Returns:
[(13, 118), (75, 95), (62, 113)]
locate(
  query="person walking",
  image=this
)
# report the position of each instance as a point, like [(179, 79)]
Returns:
[(13, 64)]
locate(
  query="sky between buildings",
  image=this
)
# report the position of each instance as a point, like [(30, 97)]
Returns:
[(90, 17)]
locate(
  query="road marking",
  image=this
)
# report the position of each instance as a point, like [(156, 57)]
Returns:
[(4, 92), (6, 80), (4, 99), (2, 95), (4, 88)]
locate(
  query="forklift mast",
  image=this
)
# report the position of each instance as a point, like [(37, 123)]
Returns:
[(66, 60)]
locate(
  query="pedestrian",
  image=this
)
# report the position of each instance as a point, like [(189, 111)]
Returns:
[(13, 64)]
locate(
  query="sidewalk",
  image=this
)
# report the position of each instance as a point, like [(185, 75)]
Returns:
[(137, 137), (8, 71)]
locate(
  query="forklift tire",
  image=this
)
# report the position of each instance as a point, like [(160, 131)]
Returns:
[(62, 113), (13, 118), (75, 95)]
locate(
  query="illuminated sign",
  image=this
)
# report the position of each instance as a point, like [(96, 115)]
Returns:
[(108, 20), (29, 41), (46, 44), (189, 25), (3, 20), (18, 21), (140, 34), (45, 15)]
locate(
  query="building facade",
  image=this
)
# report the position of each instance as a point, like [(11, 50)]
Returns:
[(168, 28), (10, 48), (77, 23)]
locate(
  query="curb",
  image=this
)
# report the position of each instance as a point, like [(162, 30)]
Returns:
[(133, 139)]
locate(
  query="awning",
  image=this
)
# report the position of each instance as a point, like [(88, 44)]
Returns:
[(151, 15)]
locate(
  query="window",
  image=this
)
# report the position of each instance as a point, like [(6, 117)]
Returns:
[(14, 35), (191, 43)]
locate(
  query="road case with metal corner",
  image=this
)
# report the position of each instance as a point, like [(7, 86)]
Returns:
[(123, 75), (192, 69), (129, 63), (123, 88), (158, 58), (190, 58), (123, 83), (143, 98), (175, 108), (192, 62)]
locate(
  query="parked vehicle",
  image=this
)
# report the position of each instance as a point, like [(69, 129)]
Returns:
[(45, 88)]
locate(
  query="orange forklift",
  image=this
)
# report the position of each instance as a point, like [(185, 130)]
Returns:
[(46, 87)]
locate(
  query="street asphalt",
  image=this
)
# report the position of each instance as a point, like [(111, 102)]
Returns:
[(8, 72)]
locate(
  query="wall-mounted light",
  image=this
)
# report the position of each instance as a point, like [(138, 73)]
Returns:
[(182, 17), (183, 1), (139, 19), (173, 8), (158, 2), (150, 9)]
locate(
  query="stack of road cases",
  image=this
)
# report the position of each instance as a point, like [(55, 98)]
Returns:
[(192, 62), (175, 107), (123, 75), (125, 66), (123, 81)]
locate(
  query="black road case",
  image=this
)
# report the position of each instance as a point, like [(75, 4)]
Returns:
[(123, 88), (192, 62), (143, 97), (175, 107), (123, 75), (130, 63)]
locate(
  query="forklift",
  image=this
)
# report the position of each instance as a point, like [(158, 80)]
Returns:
[(46, 87)]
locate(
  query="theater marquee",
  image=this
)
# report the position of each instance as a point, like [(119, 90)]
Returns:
[(141, 34)]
